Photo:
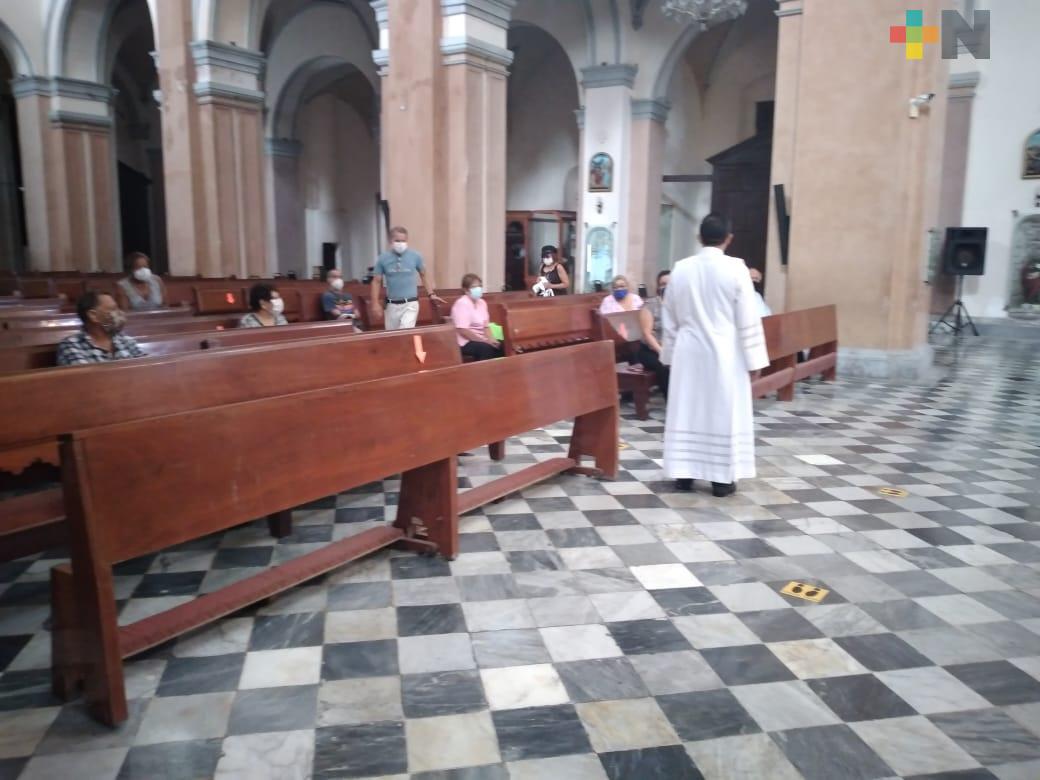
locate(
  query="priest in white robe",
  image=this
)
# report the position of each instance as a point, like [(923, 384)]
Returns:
[(713, 340)]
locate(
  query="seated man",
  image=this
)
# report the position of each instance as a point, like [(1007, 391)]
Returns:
[(101, 338), (336, 304)]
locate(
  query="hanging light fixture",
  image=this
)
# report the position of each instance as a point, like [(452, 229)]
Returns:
[(706, 12)]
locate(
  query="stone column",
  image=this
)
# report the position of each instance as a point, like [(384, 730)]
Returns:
[(185, 208), (414, 174), (287, 230), (69, 165), (864, 178), (231, 157), (954, 175), (788, 58), (646, 176), (472, 212), (607, 129)]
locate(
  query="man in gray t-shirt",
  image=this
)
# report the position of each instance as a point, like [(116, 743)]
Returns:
[(400, 271)]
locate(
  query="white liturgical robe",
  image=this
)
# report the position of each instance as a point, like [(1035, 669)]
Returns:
[(712, 339)]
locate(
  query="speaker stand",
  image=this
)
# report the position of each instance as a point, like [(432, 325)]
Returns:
[(961, 317)]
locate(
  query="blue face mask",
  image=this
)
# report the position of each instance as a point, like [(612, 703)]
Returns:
[(620, 295), (476, 292)]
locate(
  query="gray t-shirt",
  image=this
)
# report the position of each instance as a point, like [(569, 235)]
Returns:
[(400, 273)]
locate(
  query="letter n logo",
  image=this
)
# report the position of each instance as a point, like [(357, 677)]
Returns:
[(974, 37)]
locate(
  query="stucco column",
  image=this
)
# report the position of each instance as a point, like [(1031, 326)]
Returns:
[(287, 231), (607, 130), (69, 167), (961, 102), (414, 174), (646, 176), (472, 210), (231, 156), (185, 208), (788, 63), (865, 181)]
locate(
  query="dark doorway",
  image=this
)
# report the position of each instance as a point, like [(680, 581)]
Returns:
[(135, 210), (12, 204), (328, 256), (740, 190)]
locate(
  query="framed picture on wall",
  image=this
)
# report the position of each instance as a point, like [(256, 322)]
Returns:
[(1031, 165), (601, 173)]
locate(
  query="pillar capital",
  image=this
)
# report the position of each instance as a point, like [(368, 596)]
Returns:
[(283, 147), (579, 117), (474, 52), (655, 110), (599, 76), (30, 86), (962, 85), (496, 12), (226, 72), (789, 8)]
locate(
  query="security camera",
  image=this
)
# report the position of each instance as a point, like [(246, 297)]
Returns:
[(921, 100)]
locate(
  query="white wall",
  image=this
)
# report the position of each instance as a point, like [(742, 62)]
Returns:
[(339, 178), (712, 115), (1006, 109), (542, 144)]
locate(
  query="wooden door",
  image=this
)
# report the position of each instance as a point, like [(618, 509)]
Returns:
[(740, 190)]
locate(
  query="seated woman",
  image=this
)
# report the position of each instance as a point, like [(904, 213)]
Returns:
[(649, 356), (470, 316), (620, 298), (142, 290), (266, 307)]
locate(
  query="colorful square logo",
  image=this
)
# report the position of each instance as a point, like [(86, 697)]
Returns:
[(914, 35)]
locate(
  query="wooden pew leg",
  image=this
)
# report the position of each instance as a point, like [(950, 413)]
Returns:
[(596, 435), (497, 450), (641, 399), (786, 393), (280, 524), (66, 668), (428, 506)]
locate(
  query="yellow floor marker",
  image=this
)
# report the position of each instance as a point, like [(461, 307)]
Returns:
[(622, 446), (803, 590), (893, 492)]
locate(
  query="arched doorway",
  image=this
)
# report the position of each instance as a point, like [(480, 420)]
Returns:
[(12, 206), (323, 137), (721, 85), (542, 195), (131, 71)]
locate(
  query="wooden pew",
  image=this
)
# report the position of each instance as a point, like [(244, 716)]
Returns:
[(30, 318), (529, 328), (29, 336), (220, 300), (787, 335), (370, 320), (185, 492), (626, 333), (41, 405), (36, 356)]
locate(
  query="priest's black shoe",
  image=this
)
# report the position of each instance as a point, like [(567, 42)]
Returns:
[(684, 485), (723, 489)]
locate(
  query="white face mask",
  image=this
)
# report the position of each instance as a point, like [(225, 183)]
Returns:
[(547, 261), (400, 247), (336, 284), (277, 305), (143, 274)]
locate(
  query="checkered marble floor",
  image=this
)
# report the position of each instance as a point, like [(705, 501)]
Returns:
[(615, 629)]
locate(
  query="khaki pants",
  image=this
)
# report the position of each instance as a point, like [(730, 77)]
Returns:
[(400, 316)]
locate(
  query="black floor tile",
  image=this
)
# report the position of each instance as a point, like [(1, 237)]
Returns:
[(707, 715), (636, 637), (540, 732), (860, 697), (360, 751), (359, 659), (662, 763), (443, 693)]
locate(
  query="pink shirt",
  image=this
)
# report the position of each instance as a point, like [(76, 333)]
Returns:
[(611, 305), (471, 315)]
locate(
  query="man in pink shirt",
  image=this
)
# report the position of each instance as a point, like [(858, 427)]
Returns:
[(471, 319)]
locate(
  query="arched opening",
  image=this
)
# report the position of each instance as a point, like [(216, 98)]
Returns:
[(131, 71), (323, 137), (542, 196), (719, 134), (12, 205)]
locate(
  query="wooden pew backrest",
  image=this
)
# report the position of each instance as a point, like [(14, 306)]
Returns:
[(221, 300), (532, 328)]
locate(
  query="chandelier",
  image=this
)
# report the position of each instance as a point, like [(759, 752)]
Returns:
[(706, 12)]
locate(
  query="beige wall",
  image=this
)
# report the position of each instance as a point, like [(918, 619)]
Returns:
[(864, 176)]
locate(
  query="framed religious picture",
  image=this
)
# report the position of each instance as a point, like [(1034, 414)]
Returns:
[(601, 173), (1031, 166)]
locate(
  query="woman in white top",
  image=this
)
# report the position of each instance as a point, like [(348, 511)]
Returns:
[(142, 290)]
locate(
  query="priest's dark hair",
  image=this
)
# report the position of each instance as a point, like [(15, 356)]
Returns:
[(715, 229)]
